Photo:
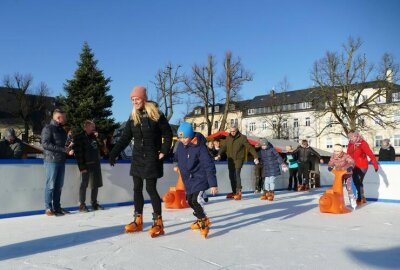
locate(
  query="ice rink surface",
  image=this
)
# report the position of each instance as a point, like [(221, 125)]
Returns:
[(288, 233)]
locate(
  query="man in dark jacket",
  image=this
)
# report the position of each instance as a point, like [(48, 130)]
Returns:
[(87, 154), (387, 153), (54, 139), (235, 149), (11, 147), (198, 172), (304, 154)]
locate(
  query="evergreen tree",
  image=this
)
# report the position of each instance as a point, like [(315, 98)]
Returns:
[(87, 95)]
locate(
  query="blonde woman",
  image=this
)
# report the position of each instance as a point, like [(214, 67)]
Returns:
[(152, 138)]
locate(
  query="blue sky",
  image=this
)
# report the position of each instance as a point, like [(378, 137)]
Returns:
[(133, 39)]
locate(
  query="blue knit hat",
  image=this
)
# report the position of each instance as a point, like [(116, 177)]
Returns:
[(185, 130)]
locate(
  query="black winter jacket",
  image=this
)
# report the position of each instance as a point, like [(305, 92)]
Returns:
[(86, 149), (54, 138), (150, 138), (304, 154), (387, 154)]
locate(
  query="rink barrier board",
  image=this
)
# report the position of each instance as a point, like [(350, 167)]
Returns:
[(26, 178)]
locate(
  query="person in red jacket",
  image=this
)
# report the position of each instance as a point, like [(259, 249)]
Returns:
[(359, 149)]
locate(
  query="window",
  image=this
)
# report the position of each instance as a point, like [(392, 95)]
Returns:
[(396, 117), (378, 141), (305, 105), (396, 141), (284, 123), (197, 111), (329, 143), (396, 97), (251, 111), (345, 142), (264, 125), (216, 108), (361, 122), (194, 126), (328, 122), (234, 122), (308, 121), (379, 99), (202, 126), (215, 124), (274, 124), (252, 126), (296, 123)]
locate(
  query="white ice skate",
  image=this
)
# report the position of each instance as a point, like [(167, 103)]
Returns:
[(353, 203)]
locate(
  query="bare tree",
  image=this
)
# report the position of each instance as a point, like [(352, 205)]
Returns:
[(201, 85), (232, 79), (342, 90), (168, 83), (278, 119), (30, 102)]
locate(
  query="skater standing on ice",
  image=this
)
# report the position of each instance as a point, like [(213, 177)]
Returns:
[(87, 154), (359, 149), (291, 160), (304, 154), (54, 139), (271, 160), (387, 153), (198, 172), (341, 161), (235, 149), (152, 138)]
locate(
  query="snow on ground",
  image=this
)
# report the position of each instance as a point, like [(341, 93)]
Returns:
[(289, 233)]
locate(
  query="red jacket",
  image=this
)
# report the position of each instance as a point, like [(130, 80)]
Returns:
[(359, 152)]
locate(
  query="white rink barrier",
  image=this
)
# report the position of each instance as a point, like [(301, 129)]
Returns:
[(23, 183)]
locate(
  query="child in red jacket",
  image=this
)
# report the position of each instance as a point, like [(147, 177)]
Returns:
[(359, 149), (343, 162)]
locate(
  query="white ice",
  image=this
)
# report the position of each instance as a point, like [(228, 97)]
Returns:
[(289, 233)]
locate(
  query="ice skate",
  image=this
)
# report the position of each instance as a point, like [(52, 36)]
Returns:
[(83, 208), (204, 228), (300, 188), (238, 196), (264, 197), (271, 196), (136, 225), (158, 227), (353, 203), (230, 195), (197, 224), (363, 200)]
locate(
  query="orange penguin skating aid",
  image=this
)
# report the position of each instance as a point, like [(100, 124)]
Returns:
[(333, 200), (175, 198)]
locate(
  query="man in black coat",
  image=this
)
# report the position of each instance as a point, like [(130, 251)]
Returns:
[(87, 154), (11, 147), (387, 153)]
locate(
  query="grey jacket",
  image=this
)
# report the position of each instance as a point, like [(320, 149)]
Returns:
[(54, 138)]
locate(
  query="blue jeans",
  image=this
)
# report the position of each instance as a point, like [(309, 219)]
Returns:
[(269, 183), (54, 183)]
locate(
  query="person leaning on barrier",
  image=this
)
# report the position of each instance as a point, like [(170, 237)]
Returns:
[(11, 147), (387, 153), (87, 154)]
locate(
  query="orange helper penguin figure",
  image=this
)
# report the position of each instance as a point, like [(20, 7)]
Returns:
[(175, 198), (333, 200)]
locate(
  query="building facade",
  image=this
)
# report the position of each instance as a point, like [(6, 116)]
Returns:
[(293, 116)]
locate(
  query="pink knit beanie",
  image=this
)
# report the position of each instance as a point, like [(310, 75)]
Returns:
[(140, 92)]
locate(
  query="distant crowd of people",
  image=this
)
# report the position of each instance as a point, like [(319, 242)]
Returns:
[(194, 157)]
